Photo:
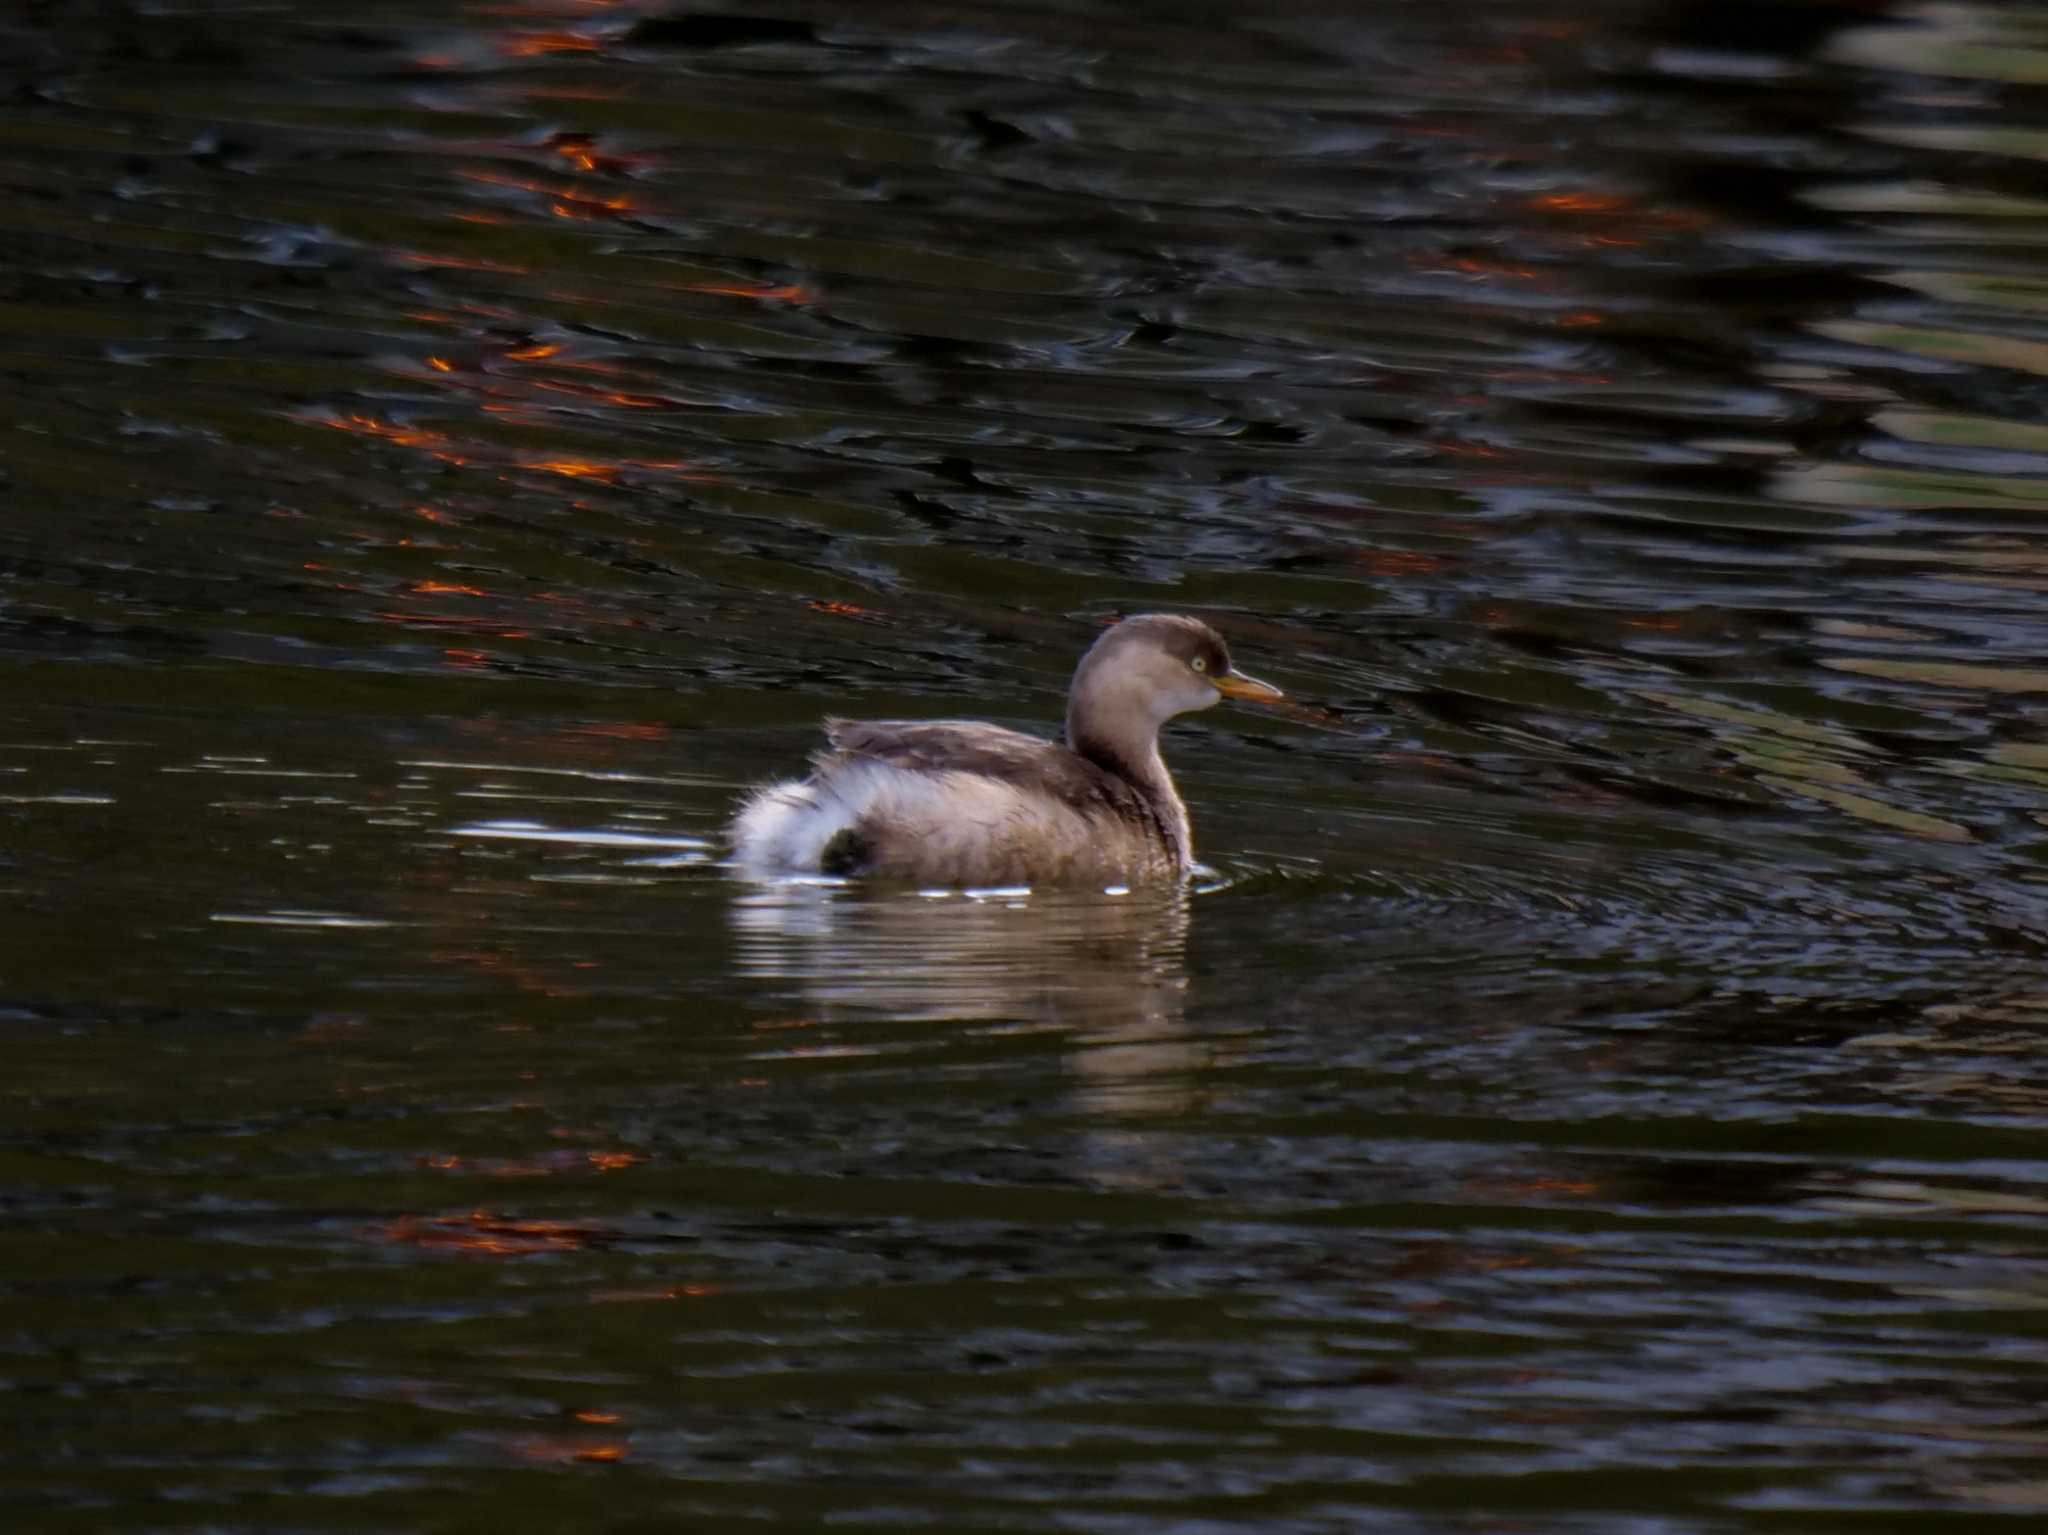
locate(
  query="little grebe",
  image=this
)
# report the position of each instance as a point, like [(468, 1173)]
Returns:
[(957, 802)]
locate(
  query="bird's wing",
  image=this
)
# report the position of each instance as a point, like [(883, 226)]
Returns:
[(989, 751)]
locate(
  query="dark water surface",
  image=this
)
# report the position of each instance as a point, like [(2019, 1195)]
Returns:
[(449, 450)]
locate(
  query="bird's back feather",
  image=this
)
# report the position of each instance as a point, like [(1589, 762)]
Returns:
[(954, 802)]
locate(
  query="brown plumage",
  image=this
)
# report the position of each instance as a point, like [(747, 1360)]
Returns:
[(958, 802)]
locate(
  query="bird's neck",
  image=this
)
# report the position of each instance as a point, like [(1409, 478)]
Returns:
[(1134, 757)]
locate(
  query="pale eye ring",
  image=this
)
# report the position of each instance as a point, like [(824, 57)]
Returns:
[(1200, 663)]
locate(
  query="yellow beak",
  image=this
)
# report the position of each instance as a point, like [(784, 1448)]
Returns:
[(1235, 684)]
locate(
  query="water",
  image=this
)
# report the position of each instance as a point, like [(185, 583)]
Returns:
[(451, 451)]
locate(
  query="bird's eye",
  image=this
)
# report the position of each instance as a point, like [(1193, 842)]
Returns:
[(1200, 663)]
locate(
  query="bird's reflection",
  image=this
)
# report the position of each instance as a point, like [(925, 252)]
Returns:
[(1107, 971)]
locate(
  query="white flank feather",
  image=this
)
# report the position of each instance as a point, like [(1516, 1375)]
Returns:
[(950, 828)]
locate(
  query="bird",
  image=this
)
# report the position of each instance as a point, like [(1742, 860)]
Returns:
[(965, 804)]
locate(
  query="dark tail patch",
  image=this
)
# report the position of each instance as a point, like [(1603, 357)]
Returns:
[(846, 852)]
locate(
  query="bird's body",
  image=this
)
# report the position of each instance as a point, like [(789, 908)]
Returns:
[(958, 802)]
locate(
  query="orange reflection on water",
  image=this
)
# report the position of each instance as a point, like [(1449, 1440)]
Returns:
[(673, 1292), (524, 977), (1400, 562), (1577, 1188), (608, 396), (582, 152), (460, 263), (1578, 202), (1479, 266), (587, 207), (445, 622), (579, 468), (446, 589), (487, 1235), (534, 353), (611, 473), (529, 45), (591, 365), (1571, 1188), (569, 1449), (387, 431), (1626, 222), (780, 293), (428, 441), (574, 93), (547, 1165), (563, 203)]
